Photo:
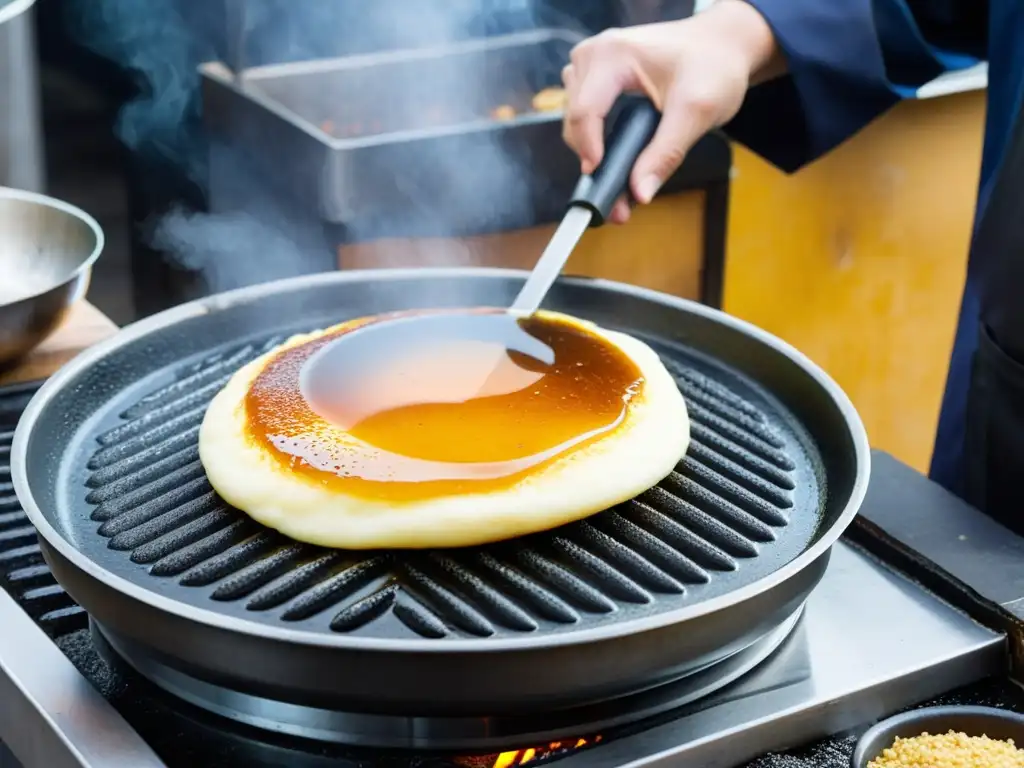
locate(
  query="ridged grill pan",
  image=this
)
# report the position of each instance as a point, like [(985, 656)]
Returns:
[(717, 555)]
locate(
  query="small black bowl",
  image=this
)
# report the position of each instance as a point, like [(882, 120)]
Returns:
[(974, 721)]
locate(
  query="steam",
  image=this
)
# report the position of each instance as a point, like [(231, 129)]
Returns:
[(153, 40), (164, 43), (230, 248)]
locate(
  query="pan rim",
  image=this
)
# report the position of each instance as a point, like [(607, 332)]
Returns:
[(55, 539)]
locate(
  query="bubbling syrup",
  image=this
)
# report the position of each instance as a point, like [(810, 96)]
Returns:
[(416, 405)]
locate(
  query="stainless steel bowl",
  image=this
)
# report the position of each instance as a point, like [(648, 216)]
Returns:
[(974, 721), (47, 249)]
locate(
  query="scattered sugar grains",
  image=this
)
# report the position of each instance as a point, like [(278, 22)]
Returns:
[(950, 750)]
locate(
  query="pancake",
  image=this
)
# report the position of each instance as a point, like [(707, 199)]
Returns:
[(442, 429)]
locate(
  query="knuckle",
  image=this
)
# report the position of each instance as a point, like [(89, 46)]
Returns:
[(613, 36), (577, 113), (663, 157), (701, 105), (669, 160), (600, 44), (579, 52)]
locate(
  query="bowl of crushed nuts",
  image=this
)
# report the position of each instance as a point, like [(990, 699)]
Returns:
[(944, 737)]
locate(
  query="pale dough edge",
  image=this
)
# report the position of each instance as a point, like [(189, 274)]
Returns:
[(600, 476)]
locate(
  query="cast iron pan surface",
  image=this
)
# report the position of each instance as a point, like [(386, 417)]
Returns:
[(106, 465)]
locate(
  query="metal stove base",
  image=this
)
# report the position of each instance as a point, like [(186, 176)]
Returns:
[(871, 643), (445, 733)]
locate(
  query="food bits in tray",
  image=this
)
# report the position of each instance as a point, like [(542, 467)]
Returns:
[(546, 100)]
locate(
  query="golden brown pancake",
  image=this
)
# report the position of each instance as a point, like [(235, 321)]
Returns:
[(441, 429)]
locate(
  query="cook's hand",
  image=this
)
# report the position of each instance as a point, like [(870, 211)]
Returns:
[(696, 71)]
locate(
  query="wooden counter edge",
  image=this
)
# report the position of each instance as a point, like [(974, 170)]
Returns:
[(83, 326)]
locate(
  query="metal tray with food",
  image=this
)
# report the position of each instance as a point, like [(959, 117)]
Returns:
[(476, 124)]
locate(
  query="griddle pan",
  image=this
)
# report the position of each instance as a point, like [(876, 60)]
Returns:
[(717, 556)]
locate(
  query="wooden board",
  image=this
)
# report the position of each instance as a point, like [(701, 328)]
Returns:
[(859, 260), (661, 248), (84, 326)]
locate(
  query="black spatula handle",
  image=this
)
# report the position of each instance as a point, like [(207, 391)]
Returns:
[(633, 130)]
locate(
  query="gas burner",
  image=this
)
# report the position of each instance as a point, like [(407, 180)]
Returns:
[(443, 733)]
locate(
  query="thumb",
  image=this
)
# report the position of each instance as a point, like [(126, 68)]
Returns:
[(589, 103), (677, 132)]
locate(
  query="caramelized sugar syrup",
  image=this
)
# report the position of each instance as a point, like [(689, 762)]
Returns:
[(416, 405)]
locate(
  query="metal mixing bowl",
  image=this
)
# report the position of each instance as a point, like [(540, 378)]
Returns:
[(47, 249)]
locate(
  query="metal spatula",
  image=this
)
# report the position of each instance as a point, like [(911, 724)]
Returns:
[(593, 198)]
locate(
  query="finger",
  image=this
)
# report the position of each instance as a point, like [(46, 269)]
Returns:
[(569, 81), (595, 92), (680, 127), (620, 211)]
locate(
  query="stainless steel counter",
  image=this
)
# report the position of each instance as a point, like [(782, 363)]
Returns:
[(50, 715), (870, 642)]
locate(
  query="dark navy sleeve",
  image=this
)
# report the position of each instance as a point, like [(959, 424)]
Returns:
[(848, 62)]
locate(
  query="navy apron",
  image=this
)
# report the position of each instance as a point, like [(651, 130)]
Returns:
[(992, 459)]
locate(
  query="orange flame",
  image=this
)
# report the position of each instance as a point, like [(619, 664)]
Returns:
[(522, 757)]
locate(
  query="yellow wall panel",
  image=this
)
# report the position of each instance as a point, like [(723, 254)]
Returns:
[(858, 260)]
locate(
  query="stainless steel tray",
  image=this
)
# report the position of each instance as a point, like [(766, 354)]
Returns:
[(421, 143)]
